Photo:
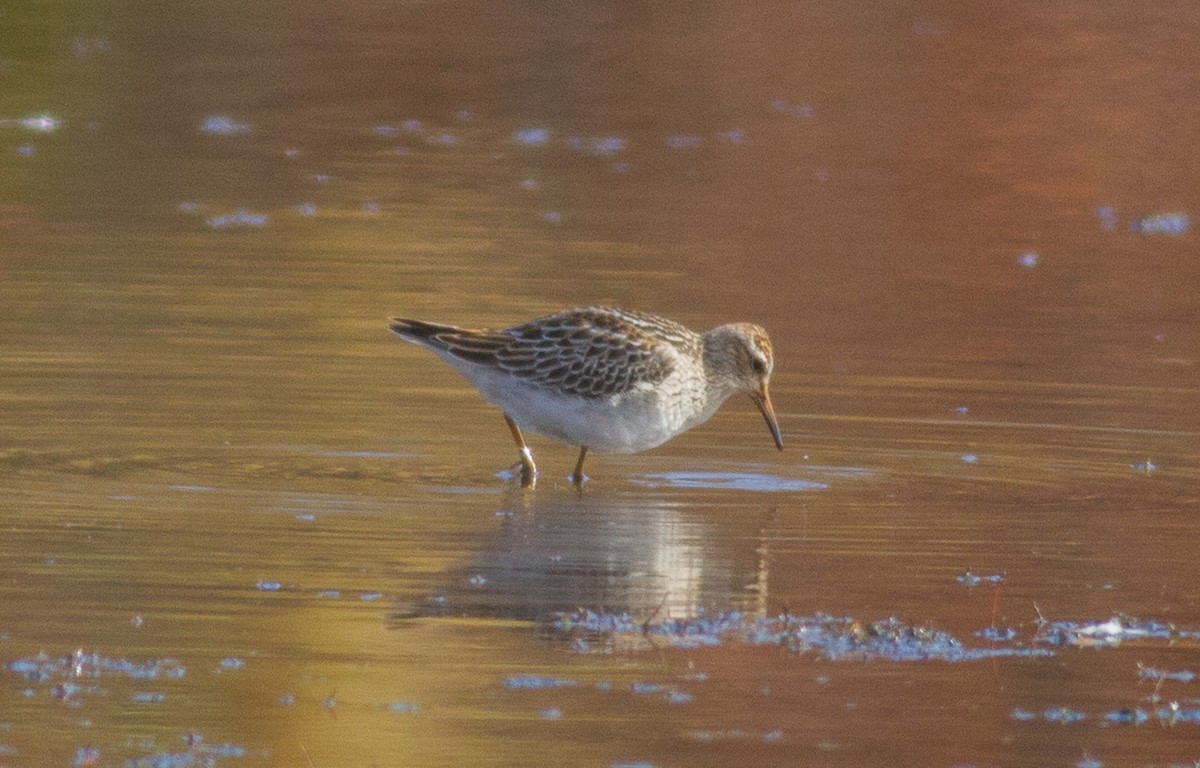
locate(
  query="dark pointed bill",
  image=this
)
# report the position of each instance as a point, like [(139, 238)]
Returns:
[(763, 401)]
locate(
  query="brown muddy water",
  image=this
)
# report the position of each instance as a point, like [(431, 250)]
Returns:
[(241, 524)]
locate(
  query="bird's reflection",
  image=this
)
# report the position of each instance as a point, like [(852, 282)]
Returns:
[(646, 556)]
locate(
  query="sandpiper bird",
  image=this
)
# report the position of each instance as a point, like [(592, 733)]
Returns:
[(604, 379)]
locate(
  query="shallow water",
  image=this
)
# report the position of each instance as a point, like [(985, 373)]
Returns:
[(242, 525)]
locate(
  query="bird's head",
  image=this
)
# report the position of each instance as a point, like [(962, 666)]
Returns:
[(740, 359)]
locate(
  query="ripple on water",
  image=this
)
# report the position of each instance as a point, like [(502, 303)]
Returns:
[(735, 481), (370, 454)]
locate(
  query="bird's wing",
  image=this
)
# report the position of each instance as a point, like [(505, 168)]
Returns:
[(593, 352)]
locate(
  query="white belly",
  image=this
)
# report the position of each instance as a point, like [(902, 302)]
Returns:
[(626, 423)]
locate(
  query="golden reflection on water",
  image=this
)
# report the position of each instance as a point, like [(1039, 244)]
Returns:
[(648, 556), (968, 233)]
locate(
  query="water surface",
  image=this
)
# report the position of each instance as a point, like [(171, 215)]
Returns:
[(244, 526)]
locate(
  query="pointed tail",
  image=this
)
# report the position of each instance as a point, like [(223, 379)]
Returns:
[(418, 331)]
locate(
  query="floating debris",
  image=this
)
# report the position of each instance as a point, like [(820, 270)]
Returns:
[(784, 107), (600, 146), (441, 139), (830, 636), (1029, 260), (846, 638), (1111, 632), (198, 753), (64, 670), (268, 586), (1134, 716), (1107, 216), (1143, 467), (1178, 676), (536, 682), (532, 137), (229, 664), (239, 219), (997, 634), (38, 123), (68, 691), (1173, 224), (404, 707), (736, 734), (224, 125), (1063, 715), (1173, 714), (969, 579), (1127, 716)]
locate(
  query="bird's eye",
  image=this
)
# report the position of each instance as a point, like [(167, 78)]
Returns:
[(758, 365)]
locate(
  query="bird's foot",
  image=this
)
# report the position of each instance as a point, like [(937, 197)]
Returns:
[(528, 475), (518, 471), (525, 470), (528, 469)]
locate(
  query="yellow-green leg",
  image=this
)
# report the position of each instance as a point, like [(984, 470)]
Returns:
[(528, 469), (577, 476)]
